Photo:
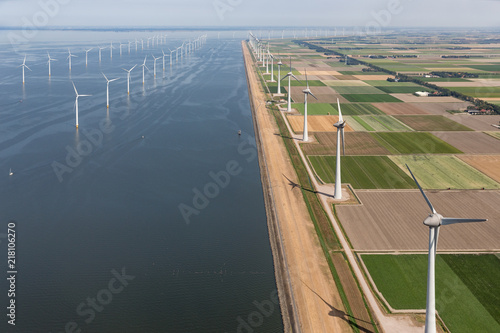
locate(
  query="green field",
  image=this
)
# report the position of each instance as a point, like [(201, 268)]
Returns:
[(357, 109), (486, 92), (357, 90), (488, 68), (414, 143), (295, 83), (381, 83), (316, 108), (442, 79), (401, 90), (431, 123), (442, 172), (363, 172), (371, 98), (380, 123), (467, 288), (361, 73), (344, 83)]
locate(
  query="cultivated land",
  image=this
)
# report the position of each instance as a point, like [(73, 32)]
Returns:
[(487, 164), (399, 108), (363, 172), (462, 286), (471, 142), (380, 123), (315, 123), (414, 143), (432, 123), (392, 220), (355, 144), (442, 172)]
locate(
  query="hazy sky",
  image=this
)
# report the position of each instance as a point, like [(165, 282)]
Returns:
[(436, 13)]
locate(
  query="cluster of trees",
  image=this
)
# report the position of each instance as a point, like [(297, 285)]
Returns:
[(455, 74), (405, 78)]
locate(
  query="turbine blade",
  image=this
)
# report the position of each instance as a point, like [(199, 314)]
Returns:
[(451, 220), (105, 76), (114, 79), (340, 111), (343, 141), (84, 95), (421, 191), (76, 92), (295, 78), (310, 93), (28, 68)]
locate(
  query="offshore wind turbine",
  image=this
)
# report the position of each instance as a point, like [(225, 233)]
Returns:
[(144, 66), (69, 58), (128, 78), (48, 62), (171, 56), (434, 221), (306, 92), (87, 55), (154, 64), (107, 88), (111, 50), (23, 65), (164, 55), (100, 49), (121, 49), (76, 102), (289, 75), (340, 135)]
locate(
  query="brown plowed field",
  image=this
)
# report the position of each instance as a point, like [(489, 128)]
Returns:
[(398, 108), (440, 108), (487, 164), (478, 123), (471, 142), (356, 143), (315, 124), (392, 220)]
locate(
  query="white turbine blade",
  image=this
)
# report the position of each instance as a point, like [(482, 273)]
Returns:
[(310, 93), (451, 220), (84, 95), (126, 70), (28, 68), (114, 79), (76, 92), (144, 63), (343, 141), (295, 78), (421, 191), (105, 76), (133, 67), (340, 111)]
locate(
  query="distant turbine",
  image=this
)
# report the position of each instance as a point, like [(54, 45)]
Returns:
[(340, 135), (142, 44), (111, 50), (48, 62), (267, 60), (136, 45), (100, 49), (87, 55), (69, 58), (434, 221), (272, 67), (289, 76), (306, 92), (171, 57), (107, 88), (121, 49), (76, 103), (23, 65), (164, 55), (144, 66), (129, 47), (279, 75), (128, 78), (154, 64)]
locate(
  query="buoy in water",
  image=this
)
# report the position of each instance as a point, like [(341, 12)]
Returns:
[(239, 132)]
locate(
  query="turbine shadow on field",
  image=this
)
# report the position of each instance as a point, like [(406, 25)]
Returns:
[(294, 185), (351, 320)]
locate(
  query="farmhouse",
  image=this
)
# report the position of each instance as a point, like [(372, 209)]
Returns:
[(422, 93)]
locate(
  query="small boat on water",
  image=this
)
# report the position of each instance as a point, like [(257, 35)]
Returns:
[(239, 132), (10, 172)]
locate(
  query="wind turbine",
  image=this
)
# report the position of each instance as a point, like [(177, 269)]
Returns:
[(76, 102), (154, 64), (100, 49), (267, 60), (289, 76), (272, 67), (279, 75), (164, 55), (48, 62), (87, 55), (121, 49), (434, 221), (69, 58), (306, 92), (340, 135), (107, 88), (144, 66), (111, 50), (128, 78), (23, 65), (171, 56)]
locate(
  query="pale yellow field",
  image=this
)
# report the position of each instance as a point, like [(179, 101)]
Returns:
[(487, 164), (315, 124)]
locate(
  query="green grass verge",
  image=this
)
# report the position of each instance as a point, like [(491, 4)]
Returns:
[(363, 172), (442, 172), (402, 279), (414, 143), (371, 98)]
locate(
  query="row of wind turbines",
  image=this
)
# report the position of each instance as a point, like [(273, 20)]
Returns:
[(434, 221), (184, 50)]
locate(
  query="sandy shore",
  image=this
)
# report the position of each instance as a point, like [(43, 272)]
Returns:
[(309, 299)]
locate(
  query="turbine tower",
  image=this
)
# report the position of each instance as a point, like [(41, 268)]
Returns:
[(279, 75), (164, 55), (128, 78), (111, 50), (434, 221), (69, 58), (76, 103), (272, 67), (289, 76), (100, 49), (107, 88), (144, 66), (306, 92), (48, 62), (23, 65), (340, 136), (87, 55), (154, 64)]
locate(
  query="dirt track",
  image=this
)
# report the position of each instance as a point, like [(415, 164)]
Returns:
[(313, 288)]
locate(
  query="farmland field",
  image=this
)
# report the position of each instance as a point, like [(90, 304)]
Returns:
[(488, 68), (442, 79), (414, 143), (471, 142), (357, 90), (315, 124), (371, 228), (494, 134), (363, 172), (347, 83), (442, 172), (361, 73), (316, 108), (382, 83), (461, 287), (403, 90), (431, 123), (487, 164), (371, 98), (380, 123), (485, 92), (355, 144), (351, 109), (399, 108)]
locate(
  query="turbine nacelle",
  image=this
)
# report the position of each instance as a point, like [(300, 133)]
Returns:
[(433, 220)]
